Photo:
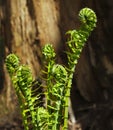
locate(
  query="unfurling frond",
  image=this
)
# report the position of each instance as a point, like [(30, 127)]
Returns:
[(48, 51), (76, 41), (12, 63)]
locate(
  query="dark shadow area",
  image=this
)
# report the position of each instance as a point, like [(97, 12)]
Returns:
[(2, 52), (7, 25)]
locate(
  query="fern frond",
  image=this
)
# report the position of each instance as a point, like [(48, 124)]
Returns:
[(12, 63), (42, 116), (56, 82), (22, 79), (76, 41), (48, 52), (59, 81)]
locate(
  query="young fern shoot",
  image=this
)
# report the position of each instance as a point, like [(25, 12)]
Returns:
[(76, 43), (13, 67), (22, 79), (56, 82)]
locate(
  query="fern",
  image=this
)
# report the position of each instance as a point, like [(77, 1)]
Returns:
[(22, 79), (57, 80), (76, 43)]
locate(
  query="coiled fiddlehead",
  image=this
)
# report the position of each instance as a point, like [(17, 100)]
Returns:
[(12, 63), (48, 52), (22, 79), (79, 37), (56, 82), (57, 95), (49, 56), (88, 17), (75, 44)]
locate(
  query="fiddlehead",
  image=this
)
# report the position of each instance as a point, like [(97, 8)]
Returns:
[(88, 18), (75, 44), (79, 37), (12, 63), (48, 52), (56, 82), (22, 79), (49, 56), (57, 95)]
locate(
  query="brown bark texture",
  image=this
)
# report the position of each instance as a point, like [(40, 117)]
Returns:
[(27, 25)]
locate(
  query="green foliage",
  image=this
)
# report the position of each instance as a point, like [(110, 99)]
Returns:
[(76, 41), (12, 63), (58, 80)]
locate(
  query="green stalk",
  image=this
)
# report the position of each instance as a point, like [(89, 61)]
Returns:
[(23, 112), (67, 95), (56, 125), (49, 86)]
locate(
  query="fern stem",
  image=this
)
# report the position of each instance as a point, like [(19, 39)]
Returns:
[(22, 109), (67, 95), (32, 110), (24, 117)]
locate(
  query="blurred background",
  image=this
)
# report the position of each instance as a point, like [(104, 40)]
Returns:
[(27, 25)]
